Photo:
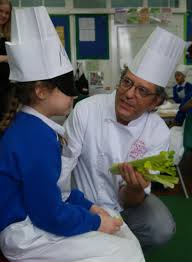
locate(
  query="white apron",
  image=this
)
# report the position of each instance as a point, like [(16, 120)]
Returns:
[(23, 242)]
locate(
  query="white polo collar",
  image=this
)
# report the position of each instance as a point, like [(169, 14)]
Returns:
[(56, 127)]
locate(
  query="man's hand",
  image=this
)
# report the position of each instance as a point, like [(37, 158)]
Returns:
[(98, 210), (132, 193), (132, 177)]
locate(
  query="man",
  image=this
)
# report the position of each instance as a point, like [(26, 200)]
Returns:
[(121, 127)]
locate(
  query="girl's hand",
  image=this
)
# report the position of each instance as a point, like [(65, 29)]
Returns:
[(98, 210), (110, 224)]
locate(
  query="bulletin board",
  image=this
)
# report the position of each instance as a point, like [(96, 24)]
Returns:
[(92, 36), (61, 23)]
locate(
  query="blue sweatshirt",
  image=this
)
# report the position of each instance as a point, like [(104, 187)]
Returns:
[(30, 166)]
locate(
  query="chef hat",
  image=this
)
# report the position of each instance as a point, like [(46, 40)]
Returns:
[(35, 51), (182, 69), (158, 57)]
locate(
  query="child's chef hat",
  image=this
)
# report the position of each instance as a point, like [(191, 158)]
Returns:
[(35, 51), (182, 69), (157, 59)]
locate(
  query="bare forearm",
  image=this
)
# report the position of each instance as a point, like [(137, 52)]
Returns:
[(130, 196), (3, 58), (187, 106)]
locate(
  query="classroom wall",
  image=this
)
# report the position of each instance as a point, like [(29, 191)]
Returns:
[(109, 69)]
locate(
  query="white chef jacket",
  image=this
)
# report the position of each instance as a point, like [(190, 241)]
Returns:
[(97, 140)]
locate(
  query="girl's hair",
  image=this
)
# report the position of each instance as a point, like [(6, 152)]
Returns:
[(20, 94), (6, 29)]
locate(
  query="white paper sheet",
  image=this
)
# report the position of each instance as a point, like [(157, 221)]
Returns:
[(86, 29)]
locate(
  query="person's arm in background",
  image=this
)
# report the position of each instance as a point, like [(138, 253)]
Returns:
[(3, 58), (132, 192), (188, 105)]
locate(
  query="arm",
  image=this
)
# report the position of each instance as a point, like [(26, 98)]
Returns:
[(135, 187), (3, 58), (42, 197), (132, 193), (186, 106)]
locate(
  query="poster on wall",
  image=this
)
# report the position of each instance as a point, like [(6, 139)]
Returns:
[(96, 81), (61, 32), (143, 15), (61, 23), (189, 39)]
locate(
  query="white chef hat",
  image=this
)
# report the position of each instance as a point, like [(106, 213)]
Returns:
[(157, 59), (35, 51), (183, 69)]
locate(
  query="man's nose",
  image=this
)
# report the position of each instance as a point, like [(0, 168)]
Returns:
[(130, 92)]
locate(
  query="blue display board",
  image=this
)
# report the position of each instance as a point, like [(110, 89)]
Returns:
[(61, 23), (97, 44)]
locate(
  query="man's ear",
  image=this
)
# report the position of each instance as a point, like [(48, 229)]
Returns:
[(40, 91), (155, 103)]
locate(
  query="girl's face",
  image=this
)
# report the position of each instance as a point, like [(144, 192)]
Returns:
[(5, 13), (53, 102)]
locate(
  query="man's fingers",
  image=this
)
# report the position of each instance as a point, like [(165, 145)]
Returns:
[(142, 182), (129, 174)]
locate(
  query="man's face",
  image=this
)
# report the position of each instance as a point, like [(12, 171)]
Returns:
[(132, 102), (179, 77)]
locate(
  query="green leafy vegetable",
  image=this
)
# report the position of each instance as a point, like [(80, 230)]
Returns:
[(148, 166)]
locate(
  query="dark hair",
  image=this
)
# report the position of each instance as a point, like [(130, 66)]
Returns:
[(162, 94), (20, 93), (6, 29), (160, 91)]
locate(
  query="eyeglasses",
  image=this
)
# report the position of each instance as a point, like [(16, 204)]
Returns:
[(140, 91)]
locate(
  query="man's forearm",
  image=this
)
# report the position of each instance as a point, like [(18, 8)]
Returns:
[(130, 196)]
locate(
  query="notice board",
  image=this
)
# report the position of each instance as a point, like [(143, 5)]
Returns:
[(61, 23), (92, 36)]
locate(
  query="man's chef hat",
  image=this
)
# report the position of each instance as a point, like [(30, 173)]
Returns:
[(35, 51), (182, 69), (158, 57)]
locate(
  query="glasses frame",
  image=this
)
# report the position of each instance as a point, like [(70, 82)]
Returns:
[(128, 83)]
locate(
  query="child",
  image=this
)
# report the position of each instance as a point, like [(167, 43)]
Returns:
[(181, 92), (182, 88), (40, 221)]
